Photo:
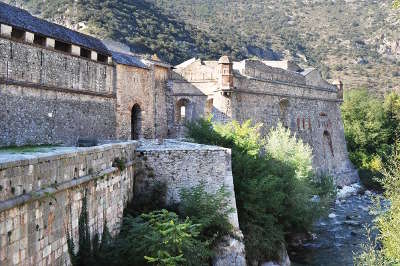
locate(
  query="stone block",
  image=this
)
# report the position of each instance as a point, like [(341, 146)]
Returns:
[(29, 37), (5, 30), (50, 43), (75, 50), (93, 55)]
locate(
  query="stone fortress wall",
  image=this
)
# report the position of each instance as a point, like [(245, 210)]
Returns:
[(300, 100), (52, 97), (55, 88), (41, 193)]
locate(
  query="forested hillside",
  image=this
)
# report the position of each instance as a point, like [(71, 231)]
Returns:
[(357, 41)]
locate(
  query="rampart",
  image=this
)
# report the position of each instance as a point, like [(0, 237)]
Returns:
[(48, 96), (41, 193)]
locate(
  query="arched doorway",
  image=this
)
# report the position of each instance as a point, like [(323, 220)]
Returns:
[(136, 122)]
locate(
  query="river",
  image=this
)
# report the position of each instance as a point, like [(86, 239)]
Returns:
[(337, 237)]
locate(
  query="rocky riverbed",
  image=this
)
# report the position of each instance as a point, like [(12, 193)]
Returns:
[(335, 238)]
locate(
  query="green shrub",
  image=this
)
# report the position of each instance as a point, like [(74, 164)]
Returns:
[(284, 147), (370, 254), (160, 238), (273, 192), (364, 126), (209, 210), (388, 223), (370, 179)]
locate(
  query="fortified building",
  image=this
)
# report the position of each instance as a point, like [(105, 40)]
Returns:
[(58, 85)]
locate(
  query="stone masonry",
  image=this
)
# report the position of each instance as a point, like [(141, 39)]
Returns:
[(252, 89), (41, 193)]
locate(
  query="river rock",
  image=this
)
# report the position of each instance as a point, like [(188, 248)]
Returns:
[(230, 251), (332, 215), (283, 261), (368, 193), (352, 223), (348, 191)]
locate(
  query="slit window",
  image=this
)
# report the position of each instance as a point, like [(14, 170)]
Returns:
[(39, 40), (62, 46), (85, 52), (17, 34), (102, 58)]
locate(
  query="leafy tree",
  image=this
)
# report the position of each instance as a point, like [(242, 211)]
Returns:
[(265, 220), (364, 126)]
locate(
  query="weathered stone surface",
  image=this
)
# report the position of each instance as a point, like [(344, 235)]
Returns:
[(283, 259), (33, 226), (230, 251), (305, 103), (41, 193), (184, 165)]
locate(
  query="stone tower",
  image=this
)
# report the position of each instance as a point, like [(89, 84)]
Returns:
[(225, 73), (339, 85)]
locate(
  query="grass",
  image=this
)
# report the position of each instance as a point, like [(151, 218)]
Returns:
[(26, 148)]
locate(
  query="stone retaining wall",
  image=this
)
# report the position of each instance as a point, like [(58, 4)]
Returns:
[(41, 196), (41, 193)]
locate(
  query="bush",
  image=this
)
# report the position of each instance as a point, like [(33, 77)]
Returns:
[(209, 210), (284, 147), (369, 254), (371, 126), (388, 220), (388, 223), (160, 238), (273, 191)]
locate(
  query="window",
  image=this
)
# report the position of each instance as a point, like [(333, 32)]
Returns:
[(62, 46), (18, 34), (39, 40), (327, 142), (283, 111), (102, 58), (209, 107), (182, 110), (85, 52)]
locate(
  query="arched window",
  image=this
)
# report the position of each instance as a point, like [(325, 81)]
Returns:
[(136, 122), (182, 112)]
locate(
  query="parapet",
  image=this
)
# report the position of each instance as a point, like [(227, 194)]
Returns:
[(258, 69)]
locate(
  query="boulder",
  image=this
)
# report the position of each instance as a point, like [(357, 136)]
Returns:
[(283, 259), (230, 251)]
